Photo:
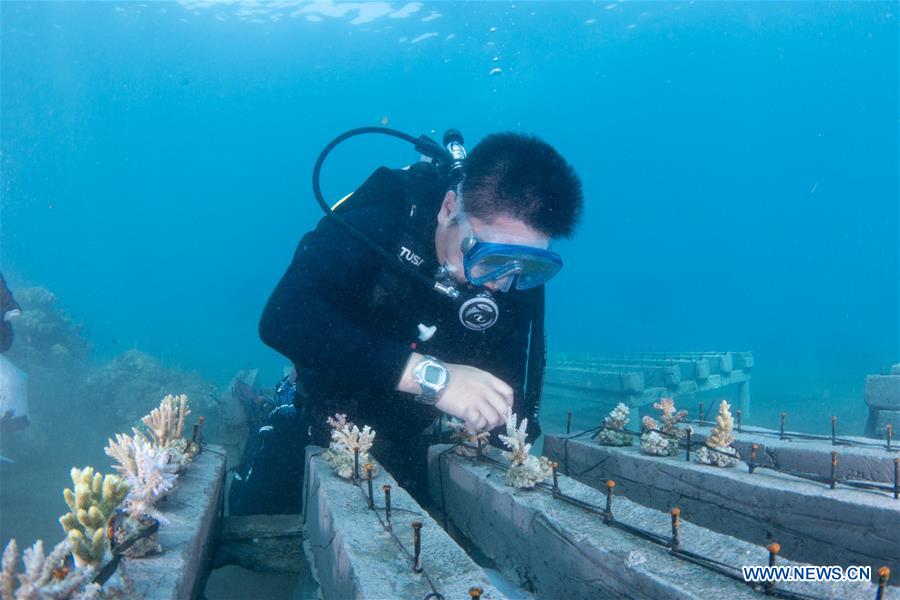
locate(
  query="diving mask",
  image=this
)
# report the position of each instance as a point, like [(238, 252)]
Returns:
[(526, 265)]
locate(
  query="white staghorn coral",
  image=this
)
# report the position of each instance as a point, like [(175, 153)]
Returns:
[(45, 577), (612, 433), (717, 450), (346, 440), (152, 477), (525, 470)]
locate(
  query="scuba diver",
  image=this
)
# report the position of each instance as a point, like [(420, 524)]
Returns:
[(13, 381), (418, 295)]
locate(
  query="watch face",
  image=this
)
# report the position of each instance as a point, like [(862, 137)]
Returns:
[(433, 374)]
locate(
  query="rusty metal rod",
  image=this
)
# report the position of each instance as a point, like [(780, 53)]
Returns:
[(884, 574), (554, 465), (690, 432), (569, 423), (387, 504), (369, 468), (609, 496), (774, 548), (739, 420), (752, 464), (833, 431), (833, 467), (417, 546), (783, 417), (356, 464), (676, 541), (889, 431)]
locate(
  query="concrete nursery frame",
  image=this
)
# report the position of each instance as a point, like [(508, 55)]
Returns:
[(560, 550), (355, 557), (812, 523), (191, 507), (599, 381)]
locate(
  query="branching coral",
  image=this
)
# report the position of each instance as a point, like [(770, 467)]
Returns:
[(166, 422), (45, 577), (613, 433), (346, 440), (525, 470), (93, 500), (165, 425), (663, 440), (147, 470), (670, 417), (468, 443), (717, 450)]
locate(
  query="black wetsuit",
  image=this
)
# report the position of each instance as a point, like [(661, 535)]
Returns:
[(347, 320)]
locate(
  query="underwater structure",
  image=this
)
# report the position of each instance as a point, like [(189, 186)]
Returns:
[(883, 400), (592, 384)]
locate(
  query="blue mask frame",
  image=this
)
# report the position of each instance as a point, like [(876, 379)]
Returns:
[(529, 266)]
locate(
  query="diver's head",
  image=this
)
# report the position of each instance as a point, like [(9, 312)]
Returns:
[(495, 228)]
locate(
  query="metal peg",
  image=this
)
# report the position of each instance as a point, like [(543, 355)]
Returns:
[(387, 503), (609, 496), (700, 415), (356, 464), (689, 432), (475, 592), (740, 430), (369, 468), (884, 574), (889, 432), (569, 422), (783, 417), (833, 467), (554, 465), (417, 546), (833, 430), (752, 464), (676, 541), (774, 548)]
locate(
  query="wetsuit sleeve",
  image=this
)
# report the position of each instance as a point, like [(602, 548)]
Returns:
[(316, 315)]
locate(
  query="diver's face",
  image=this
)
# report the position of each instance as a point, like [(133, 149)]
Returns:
[(453, 228)]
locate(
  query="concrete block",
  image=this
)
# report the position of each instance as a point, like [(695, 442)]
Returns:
[(560, 550), (180, 571), (895, 369), (812, 522), (876, 426), (883, 392), (811, 456), (611, 381), (356, 558)]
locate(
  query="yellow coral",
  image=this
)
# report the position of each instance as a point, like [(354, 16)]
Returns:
[(91, 503), (721, 435)]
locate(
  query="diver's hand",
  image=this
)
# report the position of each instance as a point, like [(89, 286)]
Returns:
[(473, 395), (476, 397)]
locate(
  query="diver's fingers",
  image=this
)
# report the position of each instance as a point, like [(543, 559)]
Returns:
[(505, 391), (500, 405), (490, 414)]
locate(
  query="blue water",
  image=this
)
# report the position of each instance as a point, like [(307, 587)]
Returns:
[(740, 166)]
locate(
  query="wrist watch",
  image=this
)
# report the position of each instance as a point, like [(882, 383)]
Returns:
[(432, 375)]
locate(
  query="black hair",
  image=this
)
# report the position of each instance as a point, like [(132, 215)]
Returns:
[(523, 177)]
